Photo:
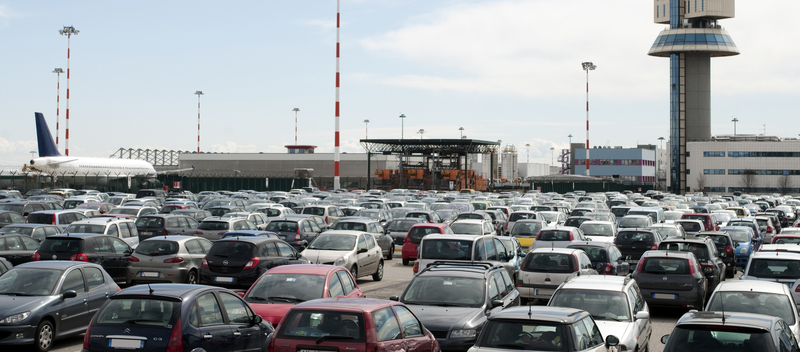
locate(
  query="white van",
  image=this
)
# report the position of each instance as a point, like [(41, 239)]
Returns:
[(655, 213), (462, 248)]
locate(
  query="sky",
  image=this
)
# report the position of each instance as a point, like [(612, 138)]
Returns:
[(505, 70)]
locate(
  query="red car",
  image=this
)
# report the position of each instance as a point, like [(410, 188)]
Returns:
[(168, 208), (281, 287), (709, 221), (103, 208), (414, 236), (349, 324), (786, 239)]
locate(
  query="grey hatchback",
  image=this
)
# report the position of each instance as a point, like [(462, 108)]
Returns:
[(167, 259)]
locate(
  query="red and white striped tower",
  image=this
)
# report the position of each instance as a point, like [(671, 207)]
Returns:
[(295, 125), (336, 184), (587, 66), (199, 93), (58, 71), (68, 31)]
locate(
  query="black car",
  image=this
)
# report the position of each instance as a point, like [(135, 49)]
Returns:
[(671, 278), (17, 249), (606, 257), (706, 252), (176, 317), (633, 242), (36, 231), (576, 221), (45, 301), (398, 229), (296, 232), (453, 299), (238, 261), (164, 225), (726, 249), (112, 253)]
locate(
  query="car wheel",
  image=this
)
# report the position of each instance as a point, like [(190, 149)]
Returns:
[(45, 334), (378, 275), (406, 261), (391, 253), (354, 271), (191, 279)]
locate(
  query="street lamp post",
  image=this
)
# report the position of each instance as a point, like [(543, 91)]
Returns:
[(58, 71), (461, 129), (527, 153), (570, 140), (658, 161), (587, 66), (296, 110), (552, 156), (735, 120), (402, 125), (199, 93), (421, 132), (68, 31), (366, 127)]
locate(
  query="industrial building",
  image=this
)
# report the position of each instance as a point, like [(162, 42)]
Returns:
[(630, 165)]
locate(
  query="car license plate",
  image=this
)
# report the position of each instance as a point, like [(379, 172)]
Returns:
[(147, 233), (283, 237), (149, 274), (664, 296), (223, 279), (311, 351), (538, 292), (126, 344)]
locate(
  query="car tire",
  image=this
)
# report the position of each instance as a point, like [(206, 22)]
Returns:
[(391, 253), (354, 272), (45, 335), (191, 278), (378, 275), (406, 261)]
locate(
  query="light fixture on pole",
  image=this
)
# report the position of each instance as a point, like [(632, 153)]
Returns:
[(735, 120), (32, 153), (296, 110), (461, 129), (570, 140), (59, 71), (552, 156), (366, 126), (68, 31), (421, 132), (402, 125), (527, 154), (199, 93), (587, 66)]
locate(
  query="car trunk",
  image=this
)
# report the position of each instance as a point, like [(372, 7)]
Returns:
[(61, 248), (673, 274), (543, 272), (632, 244), (230, 257), (334, 331), (286, 230), (134, 324), (149, 227), (152, 254)]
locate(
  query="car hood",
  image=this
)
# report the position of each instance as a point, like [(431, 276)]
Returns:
[(11, 305), (445, 318), (272, 312), (618, 329), (323, 256)]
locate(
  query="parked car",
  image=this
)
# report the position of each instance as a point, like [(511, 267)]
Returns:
[(165, 225), (169, 208), (103, 208), (635, 221), (758, 297), (355, 250), (123, 229), (137, 211), (236, 262), (213, 228), (410, 249), (461, 248), (552, 329), (24, 207), (173, 259), (745, 242), (473, 227), (296, 232), (39, 291), (352, 324), (604, 231), (780, 266), (454, 299), (260, 220), (684, 286), (282, 287), (669, 230), (17, 248), (197, 214), (330, 213), (374, 228), (544, 269), (176, 317), (525, 231), (36, 231), (398, 229), (633, 242), (605, 256), (108, 251), (549, 237), (705, 251), (615, 304), (724, 244), (729, 331), (60, 218)]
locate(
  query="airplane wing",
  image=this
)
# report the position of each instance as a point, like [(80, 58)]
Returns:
[(174, 171), (60, 161)]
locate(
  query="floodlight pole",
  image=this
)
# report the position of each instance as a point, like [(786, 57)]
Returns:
[(295, 125), (68, 31), (58, 71), (366, 129), (199, 93), (587, 66)]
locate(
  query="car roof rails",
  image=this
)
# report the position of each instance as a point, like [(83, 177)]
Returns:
[(485, 265)]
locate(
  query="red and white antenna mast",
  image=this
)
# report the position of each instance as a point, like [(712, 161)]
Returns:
[(58, 71), (199, 93), (587, 66), (68, 31), (336, 184)]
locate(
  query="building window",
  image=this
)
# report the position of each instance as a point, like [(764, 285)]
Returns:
[(688, 171), (714, 154), (715, 189), (764, 154), (714, 171), (764, 172)]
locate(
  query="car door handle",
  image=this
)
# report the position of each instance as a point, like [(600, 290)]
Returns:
[(85, 301), (237, 333), (107, 294), (207, 336)]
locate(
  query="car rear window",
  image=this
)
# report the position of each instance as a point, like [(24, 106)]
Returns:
[(150, 222), (270, 212), (733, 338), (446, 249), (417, 233), (695, 217), (524, 335), (312, 324), (460, 291), (149, 312), (520, 216), (550, 263), (214, 225), (554, 235), (61, 245), (314, 211), (526, 228), (633, 222), (160, 247), (40, 219), (352, 226), (700, 250), (635, 236), (691, 226), (595, 254), (232, 249), (620, 212), (402, 225), (754, 302), (86, 228), (467, 229), (666, 266), (283, 288), (282, 226)]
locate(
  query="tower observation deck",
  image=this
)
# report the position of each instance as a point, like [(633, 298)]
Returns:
[(692, 39)]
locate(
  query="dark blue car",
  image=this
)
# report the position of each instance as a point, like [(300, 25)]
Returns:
[(176, 317)]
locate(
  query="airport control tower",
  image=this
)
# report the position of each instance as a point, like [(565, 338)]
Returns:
[(692, 39)]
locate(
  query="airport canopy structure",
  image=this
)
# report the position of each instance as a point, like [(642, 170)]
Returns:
[(442, 147)]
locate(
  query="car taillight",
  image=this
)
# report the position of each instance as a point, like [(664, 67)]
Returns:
[(728, 249), (416, 267), (692, 270), (165, 232), (175, 343), (769, 229), (326, 220), (55, 220), (640, 266), (86, 336), (198, 232), (571, 236), (252, 263), (271, 346), (36, 257), (297, 235), (407, 240), (134, 259), (174, 260), (205, 262), (608, 269), (654, 246), (576, 263), (80, 257)]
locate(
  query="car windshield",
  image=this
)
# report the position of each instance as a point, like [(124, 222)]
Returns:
[(401, 225), (773, 304), (352, 226), (313, 324), (633, 222), (399, 213), (601, 304), (467, 229), (524, 335), (292, 288), (738, 235), (597, 229), (774, 268), (334, 242), (526, 228), (126, 211), (733, 338), (595, 253), (213, 225), (157, 247), (668, 232), (554, 235), (29, 282), (150, 312), (666, 266), (17, 229), (550, 263), (150, 222), (447, 249), (446, 291), (634, 236), (86, 228)]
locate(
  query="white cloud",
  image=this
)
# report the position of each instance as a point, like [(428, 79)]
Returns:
[(16, 150), (6, 13)]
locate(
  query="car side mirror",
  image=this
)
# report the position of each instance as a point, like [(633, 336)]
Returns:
[(69, 294), (612, 340), (394, 298), (642, 315), (664, 339), (240, 293), (257, 320), (497, 303), (362, 250)]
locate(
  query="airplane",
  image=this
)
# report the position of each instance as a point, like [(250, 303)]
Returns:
[(85, 170)]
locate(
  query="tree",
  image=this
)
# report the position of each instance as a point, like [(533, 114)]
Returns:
[(785, 184), (748, 181), (702, 183)]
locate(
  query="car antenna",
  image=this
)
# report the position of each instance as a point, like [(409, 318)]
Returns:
[(151, 288), (722, 305)]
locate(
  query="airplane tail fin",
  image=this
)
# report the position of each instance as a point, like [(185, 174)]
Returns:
[(47, 147)]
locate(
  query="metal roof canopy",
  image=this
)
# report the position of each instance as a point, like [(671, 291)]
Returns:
[(429, 146)]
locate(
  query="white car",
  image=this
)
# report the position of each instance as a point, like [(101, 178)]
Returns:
[(768, 298), (544, 269), (776, 264), (600, 231), (124, 229)]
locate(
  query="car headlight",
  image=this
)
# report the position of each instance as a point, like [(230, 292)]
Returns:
[(342, 261), (16, 318), (743, 250), (463, 333)]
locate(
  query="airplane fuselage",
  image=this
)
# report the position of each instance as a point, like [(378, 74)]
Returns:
[(82, 166)]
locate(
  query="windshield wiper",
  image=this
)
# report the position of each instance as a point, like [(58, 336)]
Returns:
[(447, 305), (332, 337), (603, 317), (17, 294), (288, 299), (257, 298), (137, 321), (515, 346)]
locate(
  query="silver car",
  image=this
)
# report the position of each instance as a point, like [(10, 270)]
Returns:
[(759, 297), (354, 250), (175, 259)]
